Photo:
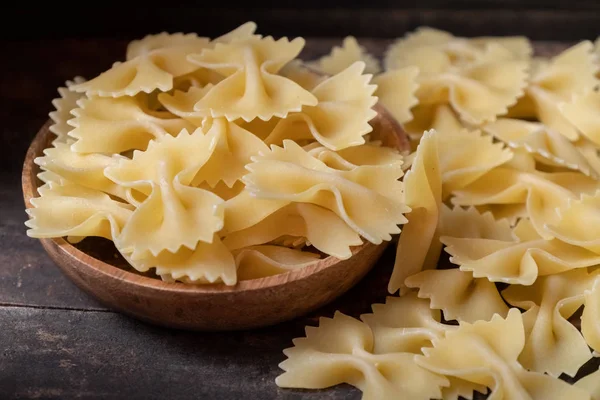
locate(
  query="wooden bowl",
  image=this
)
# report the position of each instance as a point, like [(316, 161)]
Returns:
[(249, 304)]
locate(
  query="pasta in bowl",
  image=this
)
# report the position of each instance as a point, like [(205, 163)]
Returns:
[(219, 183)]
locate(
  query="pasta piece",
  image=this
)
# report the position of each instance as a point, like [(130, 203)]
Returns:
[(356, 156), (542, 193), (459, 295), (396, 91), (325, 231), (404, 324), (501, 83), (49, 176), (174, 214), (547, 146), (206, 262), (418, 247), (582, 112), (107, 125), (199, 78), (63, 106), (578, 222), (302, 74), (292, 242), (342, 57), (368, 198), (552, 344), (67, 209), (519, 262), (83, 169), (458, 49), (512, 213), (486, 352), (152, 63), (439, 117), (246, 210), (571, 73), (340, 350), (473, 155), (591, 384), (234, 147), (182, 103), (590, 319), (341, 117), (261, 261), (252, 87), (222, 190)]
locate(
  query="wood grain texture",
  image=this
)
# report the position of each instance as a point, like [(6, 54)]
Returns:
[(114, 356)]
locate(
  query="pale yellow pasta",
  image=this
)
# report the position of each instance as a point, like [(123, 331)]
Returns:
[(302, 74), (591, 384), (542, 193), (341, 117), (341, 57), (115, 125), (486, 352), (478, 92), (63, 107), (355, 156), (152, 63), (233, 148), (473, 155), (439, 117), (590, 319), (325, 231), (509, 212), (578, 222), (182, 103), (407, 324), (456, 49), (340, 350), (554, 82), (68, 209), (471, 223), (552, 344), (84, 169), (396, 91), (404, 324), (262, 261), (458, 294), (222, 190), (418, 246), (174, 214), (252, 88), (205, 262), (546, 145), (583, 112), (517, 262), (290, 174), (246, 209)]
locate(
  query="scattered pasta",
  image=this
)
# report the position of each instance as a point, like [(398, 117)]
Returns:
[(228, 159), (505, 182)]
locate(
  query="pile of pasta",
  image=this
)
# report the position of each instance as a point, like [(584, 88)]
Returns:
[(220, 160), (503, 177)]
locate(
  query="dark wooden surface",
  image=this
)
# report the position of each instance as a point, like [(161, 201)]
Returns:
[(56, 342)]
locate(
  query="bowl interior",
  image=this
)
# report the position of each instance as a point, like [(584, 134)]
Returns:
[(101, 254)]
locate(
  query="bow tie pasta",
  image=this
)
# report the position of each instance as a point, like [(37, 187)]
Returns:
[(214, 161), (160, 154), (504, 175)]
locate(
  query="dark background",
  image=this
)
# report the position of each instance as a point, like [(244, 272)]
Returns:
[(538, 19)]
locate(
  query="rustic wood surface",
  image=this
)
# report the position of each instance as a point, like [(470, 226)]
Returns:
[(58, 343)]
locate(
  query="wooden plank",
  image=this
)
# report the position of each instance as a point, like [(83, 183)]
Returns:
[(55, 354)]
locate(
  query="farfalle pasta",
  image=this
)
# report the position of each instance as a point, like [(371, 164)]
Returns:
[(552, 343), (230, 159), (159, 155)]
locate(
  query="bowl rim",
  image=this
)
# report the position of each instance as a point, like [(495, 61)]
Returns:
[(30, 183)]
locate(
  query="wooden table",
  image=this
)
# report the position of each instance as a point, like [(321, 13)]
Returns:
[(58, 343)]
